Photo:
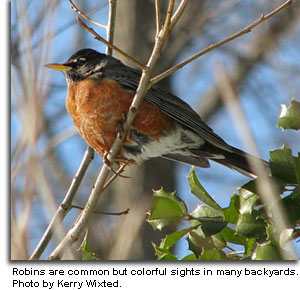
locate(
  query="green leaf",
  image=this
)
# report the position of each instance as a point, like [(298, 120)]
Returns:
[(249, 247), (291, 204), (166, 209), (231, 213), (171, 239), (199, 191), (290, 116), (213, 228), (248, 200), (163, 254), (86, 251), (268, 251), (231, 236), (211, 219), (198, 241), (212, 255), (207, 213), (251, 226), (283, 164)]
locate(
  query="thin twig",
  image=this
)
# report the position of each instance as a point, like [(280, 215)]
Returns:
[(220, 43), (111, 26), (65, 205), (74, 233), (83, 15), (157, 16), (118, 173), (98, 37), (104, 213), (179, 11), (166, 27)]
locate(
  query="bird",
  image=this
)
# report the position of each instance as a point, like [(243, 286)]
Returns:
[(100, 90)]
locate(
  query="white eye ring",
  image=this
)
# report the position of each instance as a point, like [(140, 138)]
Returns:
[(79, 60)]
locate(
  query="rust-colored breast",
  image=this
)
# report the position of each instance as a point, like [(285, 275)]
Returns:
[(98, 107)]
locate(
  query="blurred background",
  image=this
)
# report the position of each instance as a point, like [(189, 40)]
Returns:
[(264, 67)]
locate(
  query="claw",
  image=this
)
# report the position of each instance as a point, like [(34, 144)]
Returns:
[(117, 163)]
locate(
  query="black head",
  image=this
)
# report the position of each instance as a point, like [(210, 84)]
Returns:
[(84, 63)]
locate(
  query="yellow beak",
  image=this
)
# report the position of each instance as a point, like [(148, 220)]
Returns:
[(58, 66)]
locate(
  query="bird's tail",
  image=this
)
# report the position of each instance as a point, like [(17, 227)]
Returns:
[(240, 161), (233, 158)]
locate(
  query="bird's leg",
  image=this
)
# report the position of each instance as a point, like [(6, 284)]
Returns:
[(120, 127)]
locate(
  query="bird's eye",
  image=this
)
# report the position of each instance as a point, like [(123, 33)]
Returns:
[(77, 62), (81, 61)]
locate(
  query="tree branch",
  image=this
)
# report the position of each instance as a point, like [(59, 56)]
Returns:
[(65, 206), (220, 43), (179, 11), (98, 37), (260, 47), (83, 15), (157, 16), (111, 25)]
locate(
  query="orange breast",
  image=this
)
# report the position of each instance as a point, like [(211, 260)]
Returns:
[(98, 107)]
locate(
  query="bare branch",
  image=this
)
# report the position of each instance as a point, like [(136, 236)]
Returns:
[(121, 169), (166, 27), (110, 25), (220, 43), (98, 37), (65, 206), (104, 213), (157, 16), (179, 11), (80, 13)]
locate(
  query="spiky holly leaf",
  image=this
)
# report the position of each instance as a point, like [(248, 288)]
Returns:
[(199, 191), (290, 116), (85, 250), (284, 165), (166, 208)]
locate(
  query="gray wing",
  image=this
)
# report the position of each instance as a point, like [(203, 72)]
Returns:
[(170, 104)]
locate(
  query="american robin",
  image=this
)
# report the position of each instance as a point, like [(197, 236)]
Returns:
[(100, 91)]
